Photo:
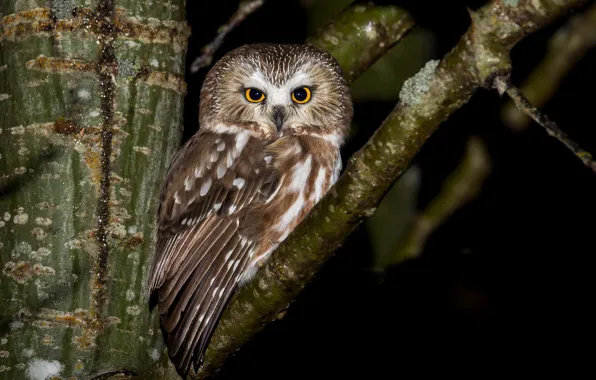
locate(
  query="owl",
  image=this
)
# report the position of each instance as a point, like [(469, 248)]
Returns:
[(273, 118)]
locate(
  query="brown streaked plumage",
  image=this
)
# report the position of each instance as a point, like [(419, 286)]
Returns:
[(242, 183)]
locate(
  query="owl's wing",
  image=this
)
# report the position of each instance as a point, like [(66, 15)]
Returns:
[(206, 235)]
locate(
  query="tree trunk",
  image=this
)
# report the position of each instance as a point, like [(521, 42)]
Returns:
[(91, 103)]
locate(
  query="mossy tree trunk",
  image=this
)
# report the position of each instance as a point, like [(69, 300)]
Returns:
[(91, 103)]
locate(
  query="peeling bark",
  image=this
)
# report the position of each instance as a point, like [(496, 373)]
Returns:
[(91, 117), (426, 100)]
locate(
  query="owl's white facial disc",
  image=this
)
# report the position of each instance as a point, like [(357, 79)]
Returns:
[(295, 88), (278, 109)]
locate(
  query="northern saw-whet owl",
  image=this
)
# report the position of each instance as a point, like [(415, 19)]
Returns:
[(272, 119)]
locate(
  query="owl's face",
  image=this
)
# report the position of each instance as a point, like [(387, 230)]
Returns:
[(284, 87)]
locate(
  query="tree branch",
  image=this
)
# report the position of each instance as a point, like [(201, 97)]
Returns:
[(245, 9), (461, 187), (427, 99), (566, 48), (361, 35), (551, 127)]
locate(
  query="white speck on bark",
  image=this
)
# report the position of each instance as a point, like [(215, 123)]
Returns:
[(42, 295), (133, 310), (39, 233), (130, 295), (43, 221), (22, 248), (142, 149), (21, 218), (27, 352), (16, 325), (84, 94), (73, 244), (43, 251), (132, 44), (40, 369), (154, 353), (18, 130)]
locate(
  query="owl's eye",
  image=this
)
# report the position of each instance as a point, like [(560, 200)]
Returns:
[(301, 95), (254, 96)]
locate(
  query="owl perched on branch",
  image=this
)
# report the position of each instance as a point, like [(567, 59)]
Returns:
[(272, 121)]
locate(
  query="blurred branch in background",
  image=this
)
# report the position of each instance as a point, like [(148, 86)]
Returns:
[(392, 221), (322, 12), (426, 100), (384, 79), (245, 9), (361, 35), (566, 48), (461, 187), (551, 127)]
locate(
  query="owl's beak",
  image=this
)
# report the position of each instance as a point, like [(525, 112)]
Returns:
[(278, 116)]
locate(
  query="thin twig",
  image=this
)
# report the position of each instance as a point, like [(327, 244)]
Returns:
[(551, 127), (568, 46), (245, 9)]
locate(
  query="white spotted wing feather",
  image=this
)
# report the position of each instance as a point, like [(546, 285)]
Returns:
[(205, 235)]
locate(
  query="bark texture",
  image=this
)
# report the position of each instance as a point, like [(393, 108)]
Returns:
[(426, 100), (90, 114)]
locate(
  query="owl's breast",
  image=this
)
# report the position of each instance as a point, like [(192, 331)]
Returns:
[(306, 172)]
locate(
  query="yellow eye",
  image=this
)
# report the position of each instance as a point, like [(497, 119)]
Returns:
[(301, 95), (254, 96)]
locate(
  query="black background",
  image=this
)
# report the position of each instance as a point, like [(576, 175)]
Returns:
[(505, 282)]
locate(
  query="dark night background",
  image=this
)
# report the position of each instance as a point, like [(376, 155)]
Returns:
[(503, 282)]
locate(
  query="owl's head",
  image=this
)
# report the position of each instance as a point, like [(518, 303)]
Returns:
[(291, 89)]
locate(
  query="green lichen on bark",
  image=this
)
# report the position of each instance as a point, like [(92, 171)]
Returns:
[(91, 115), (436, 92)]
